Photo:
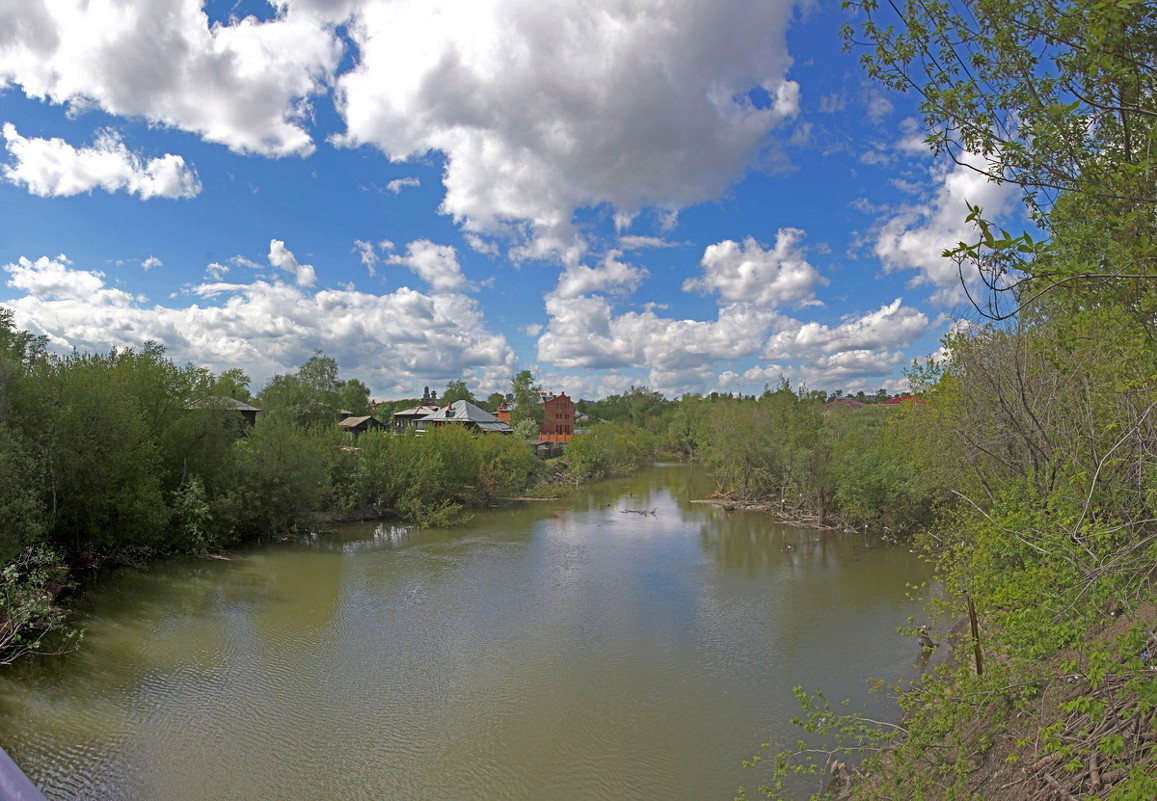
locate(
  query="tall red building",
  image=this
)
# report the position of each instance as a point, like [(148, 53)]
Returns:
[(557, 417)]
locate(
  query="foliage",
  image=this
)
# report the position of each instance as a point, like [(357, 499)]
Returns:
[(314, 395), (683, 426), (455, 391), (609, 449), (526, 402), (844, 735), (28, 614), (1058, 97), (639, 406), (280, 475)]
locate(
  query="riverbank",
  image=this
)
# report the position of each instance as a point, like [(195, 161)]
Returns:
[(798, 519), (1079, 724)]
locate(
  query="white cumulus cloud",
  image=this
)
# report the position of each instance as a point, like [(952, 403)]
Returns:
[(281, 258), (542, 107), (389, 341), (750, 273), (914, 237), (245, 84), (891, 327), (612, 275), (437, 265), (52, 167)]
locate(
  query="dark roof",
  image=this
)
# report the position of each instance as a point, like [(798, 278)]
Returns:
[(354, 422)]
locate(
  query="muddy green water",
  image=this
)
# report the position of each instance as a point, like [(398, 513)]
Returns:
[(555, 650)]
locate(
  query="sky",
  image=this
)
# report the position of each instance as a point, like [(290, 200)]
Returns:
[(682, 195)]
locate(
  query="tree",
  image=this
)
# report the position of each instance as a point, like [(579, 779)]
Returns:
[(526, 399), (313, 395), (1057, 97), (455, 391)]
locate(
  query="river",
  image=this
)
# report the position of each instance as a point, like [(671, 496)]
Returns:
[(555, 650)]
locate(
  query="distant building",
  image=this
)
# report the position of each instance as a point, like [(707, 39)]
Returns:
[(356, 426), (412, 418), (465, 413), (558, 417), (223, 403), (900, 400)]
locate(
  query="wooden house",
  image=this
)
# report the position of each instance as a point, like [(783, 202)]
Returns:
[(356, 426), (226, 405)]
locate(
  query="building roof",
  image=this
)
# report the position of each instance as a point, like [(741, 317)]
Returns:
[(354, 422), (463, 411), (416, 412), (222, 402), (900, 400), (849, 402)]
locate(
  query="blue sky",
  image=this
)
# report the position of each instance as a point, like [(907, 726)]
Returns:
[(682, 195)]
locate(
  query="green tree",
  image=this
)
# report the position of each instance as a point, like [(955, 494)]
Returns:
[(455, 391), (1058, 97), (526, 399), (313, 395), (494, 400), (281, 476)]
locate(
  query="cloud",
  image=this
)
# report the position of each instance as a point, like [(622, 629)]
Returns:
[(848, 370), (630, 242), (612, 275), (437, 265), (679, 354), (398, 184), (878, 106), (366, 254), (542, 107), (48, 278), (585, 331), (282, 259), (245, 84), (390, 341), (151, 262), (891, 327), (52, 167), (915, 236), (752, 274)]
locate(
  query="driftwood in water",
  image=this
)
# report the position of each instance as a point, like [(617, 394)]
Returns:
[(638, 512)]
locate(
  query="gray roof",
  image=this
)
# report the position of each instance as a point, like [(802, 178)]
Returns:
[(463, 411), (417, 411), (222, 402)]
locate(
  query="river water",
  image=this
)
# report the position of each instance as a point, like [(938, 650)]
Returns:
[(554, 650)]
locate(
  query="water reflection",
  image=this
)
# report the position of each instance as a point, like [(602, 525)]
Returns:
[(565, 649)]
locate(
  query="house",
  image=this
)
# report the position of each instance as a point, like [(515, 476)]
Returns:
[(465, 413), (223, 403), (901, 400), (409, 418), (412, 418), (356, 426), (558, 417)]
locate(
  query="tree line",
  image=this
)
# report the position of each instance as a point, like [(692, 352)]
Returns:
[(1038, 432), (127, 456)]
